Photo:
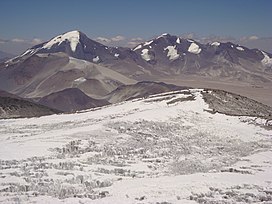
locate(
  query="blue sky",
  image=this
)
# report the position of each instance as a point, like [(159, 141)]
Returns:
[(44, 19)]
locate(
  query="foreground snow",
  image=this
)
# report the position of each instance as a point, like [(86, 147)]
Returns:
[(168, 148)]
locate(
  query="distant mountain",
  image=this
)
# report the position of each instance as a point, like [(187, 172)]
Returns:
[(12, 106), (174, 55), (72, 60), (42, 74), (140, 90), (162, 56), (70, 100)]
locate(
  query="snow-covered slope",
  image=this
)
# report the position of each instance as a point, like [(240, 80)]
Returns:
[(73, 38), (168, 148)]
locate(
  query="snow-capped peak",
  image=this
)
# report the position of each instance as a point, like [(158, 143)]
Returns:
[(162, 35), (215, 44), (72, 36), (266, 61)]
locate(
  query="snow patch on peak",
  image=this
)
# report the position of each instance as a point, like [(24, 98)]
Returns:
[(266, 61), (190, 41), (178, 40), (162, 35), (96, 59), (148, 43), (80, 80), (194, 48), (138, 47), (215, 44), (172, 52), (72, 37), (145, 55), (240, 48)]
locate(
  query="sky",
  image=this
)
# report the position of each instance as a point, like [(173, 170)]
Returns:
[(28, 22)]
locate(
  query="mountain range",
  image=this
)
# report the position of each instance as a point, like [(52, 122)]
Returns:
[(74, 62)]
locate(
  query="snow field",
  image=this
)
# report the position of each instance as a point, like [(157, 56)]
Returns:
[(165, 148)]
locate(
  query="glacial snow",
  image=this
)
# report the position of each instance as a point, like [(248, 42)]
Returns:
[(72, 37), (267, 61), (162, 35), (145, 55), (96, 59), (138, 47), (178, 40), (240, 48), (194, 48), (172, 52), (216, 44), (148, 43), (80, 80), (168, 148)]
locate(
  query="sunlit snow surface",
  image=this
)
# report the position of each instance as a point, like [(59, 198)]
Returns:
[(194, 48), (217, 44), (168, 148), (145, 55), (267, 61), (240, 48), (72, 37), (96, 59), (172, 52), (138, 47)]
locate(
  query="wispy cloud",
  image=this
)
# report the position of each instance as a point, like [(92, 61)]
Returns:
[(18, 40), (249, 38), (110, 41), (212, 38), (103, 40), (134, 42), (36, 41), (18, 45), (118, 38)]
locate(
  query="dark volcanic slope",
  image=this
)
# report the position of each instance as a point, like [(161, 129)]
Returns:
[(139, 90), (233, 104), (19, 108), (7, 94), (70, 100)]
